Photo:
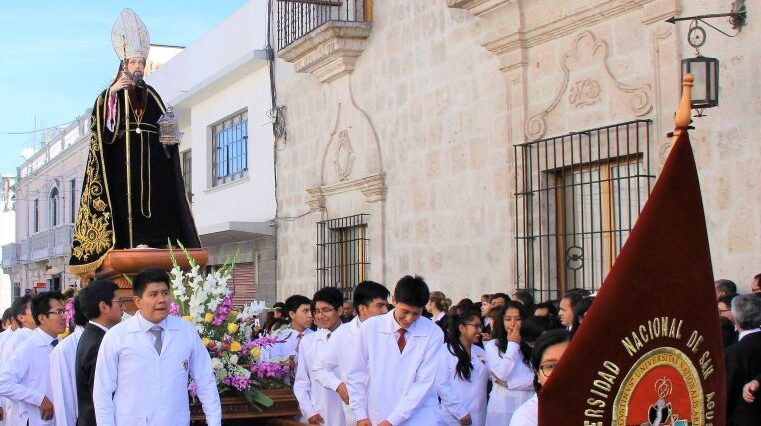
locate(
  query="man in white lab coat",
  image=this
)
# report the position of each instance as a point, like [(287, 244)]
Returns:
[(62, 380), (9, 326), (25, 377), (21, 310), (392, 372), (143, 365), (299, 310), (319, 405), (331, 367)]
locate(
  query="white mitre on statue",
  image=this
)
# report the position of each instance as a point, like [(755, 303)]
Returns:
[(129, 36)]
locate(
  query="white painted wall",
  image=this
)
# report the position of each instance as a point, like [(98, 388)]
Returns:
[(218, 76)]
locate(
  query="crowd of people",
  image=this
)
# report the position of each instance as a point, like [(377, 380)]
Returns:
[(415, 359)]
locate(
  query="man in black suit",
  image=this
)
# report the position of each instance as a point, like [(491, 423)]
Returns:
[(743, 361), (104, 311)]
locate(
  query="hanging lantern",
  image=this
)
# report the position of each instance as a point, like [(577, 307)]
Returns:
[(705, 89)]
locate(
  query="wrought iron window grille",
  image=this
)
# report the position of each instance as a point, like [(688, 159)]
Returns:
[(230, 149), (343, 253), (577, 197)]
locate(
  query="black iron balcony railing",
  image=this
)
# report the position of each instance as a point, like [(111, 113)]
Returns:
[(297, 18)]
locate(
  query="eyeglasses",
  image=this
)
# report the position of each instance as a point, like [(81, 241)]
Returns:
[(120, 302), (546, 369), (477, 326), (324, 311), (721, 311), (59, 312)]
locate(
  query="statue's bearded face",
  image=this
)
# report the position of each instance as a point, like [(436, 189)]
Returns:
[(136, 67)]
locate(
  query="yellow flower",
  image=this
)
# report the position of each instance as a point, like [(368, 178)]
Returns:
[(235, 346), (232, 328), (234, 314), (64, 334), (188, 318), (255, 352), (208, 318), (205, 341)]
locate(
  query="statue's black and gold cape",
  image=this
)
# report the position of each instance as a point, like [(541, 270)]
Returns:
[(133, 192)]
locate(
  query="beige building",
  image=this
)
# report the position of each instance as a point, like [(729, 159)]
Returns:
[(46, 198), (495, 144)]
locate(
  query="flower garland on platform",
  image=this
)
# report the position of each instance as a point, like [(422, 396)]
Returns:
[(205, 300)]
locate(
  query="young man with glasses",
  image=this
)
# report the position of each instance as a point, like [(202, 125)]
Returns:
[(103, 310), (25, 377), (319, 405), (62, 374), (330, 368)]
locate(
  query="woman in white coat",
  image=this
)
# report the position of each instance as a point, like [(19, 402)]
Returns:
[(464, 372), (548, 350), (508, 360)]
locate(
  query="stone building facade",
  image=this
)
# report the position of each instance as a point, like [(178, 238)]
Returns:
[(471, 135)]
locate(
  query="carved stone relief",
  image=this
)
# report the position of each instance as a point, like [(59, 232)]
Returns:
[(344, 157), (587, 91), (584, 92)]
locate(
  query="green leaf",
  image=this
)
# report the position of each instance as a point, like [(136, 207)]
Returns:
[(255, 397)]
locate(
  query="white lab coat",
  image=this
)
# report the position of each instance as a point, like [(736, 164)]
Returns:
[(134, 385), (527, 414), (5, 335), (331, 368), (286, 346), (25, 378), (387, 385), (326, 400), (312, 396), (10, 407), (508, 367), (63, 380), (469, 395)]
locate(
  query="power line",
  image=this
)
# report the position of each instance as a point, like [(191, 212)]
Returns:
[(29, 132)]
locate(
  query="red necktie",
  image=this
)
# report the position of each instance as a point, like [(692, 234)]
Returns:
[(299, 341), (401, 342)]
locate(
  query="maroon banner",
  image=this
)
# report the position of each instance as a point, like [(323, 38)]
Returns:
[(649, 351)]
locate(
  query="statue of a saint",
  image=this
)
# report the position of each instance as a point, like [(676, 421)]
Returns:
[(133, 194)]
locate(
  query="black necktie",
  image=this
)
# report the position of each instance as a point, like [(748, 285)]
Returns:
[(54, 342)]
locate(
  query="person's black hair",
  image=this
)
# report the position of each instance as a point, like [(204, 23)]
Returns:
[(79, 318), (292, 303), (7, 315), (526, 297), (579, 310), (330, 295), (499, 332), (500, 295), (727, 286), (727, 300), (19, 307), (533, 327), (551, 309), (412, 291), (147, 276), (549, 338), (96, 292), (41, 303), (455, 346), (367, 291)]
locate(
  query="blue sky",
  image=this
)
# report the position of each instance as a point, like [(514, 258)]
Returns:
[(57, 56)]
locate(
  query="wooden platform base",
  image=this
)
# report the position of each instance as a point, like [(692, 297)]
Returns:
[(236, 411), (119, 264)]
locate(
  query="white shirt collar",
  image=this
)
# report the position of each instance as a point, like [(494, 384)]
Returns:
[(438, 317), (43, 337), (747, 332), (101, 326), (146, 325)]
